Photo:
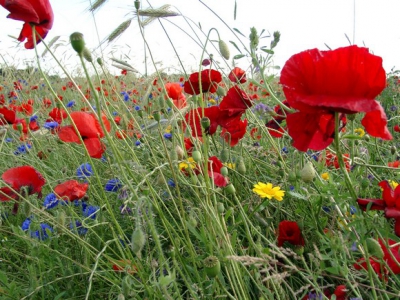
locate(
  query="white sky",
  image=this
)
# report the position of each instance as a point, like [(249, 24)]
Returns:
[(304, 24)]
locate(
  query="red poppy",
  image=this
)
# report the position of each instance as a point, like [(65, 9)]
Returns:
[(390, 203), (89, 129), (391, 257), (209, 80), (289, 231), (274, 126), (17, 178), (235, 102), (71, 190), (174, 91), (124, 264), (234, 131), (193, 119), (396, 128), (237, 75), (394, 164), (214, 171), (8, 116), (32, 12), (319, 83), (331, 160), (58, 114)]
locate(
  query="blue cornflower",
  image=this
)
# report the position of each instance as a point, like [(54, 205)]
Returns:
[(22, 149), (125, 210), (9, 140), (33, 118), (26, 224), (126, 96), (115, 113), (137, 107), (168, 135), (90, 211), (354, 247), (84, 171), (78, 227), (327, 209), (71, 103), (353, 210), (151, 96), (285, 150), (50, 201), (171, 183), (113, 185), (137, 143), (50, 125), (42, 233)]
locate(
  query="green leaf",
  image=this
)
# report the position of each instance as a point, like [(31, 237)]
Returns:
[(234, 11), (268, 51), (237, 30), (239, 56), (333, 270), (237, 48), (297, 195)]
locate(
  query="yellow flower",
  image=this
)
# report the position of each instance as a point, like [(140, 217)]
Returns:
[(360, 132), (168, 129), (393, 184), (230, 165), (186, 164), (325, 176), (212, 101), (268, 191)]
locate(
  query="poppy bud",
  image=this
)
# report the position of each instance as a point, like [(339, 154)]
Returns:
[(156, 115), (99, 61), (87, 55), (307, 174), (3, 132), (121, 297), (224, 155), (230, 189), (77, 42), (393, 149), (223, 48), (138, 240), (205, 122), (20, 127), (299, 250), (220, 91), (192, 221), (220, 207), (224, 171), (241, 167), (196, 154), (374, 248), (179, 152), (212, 266)]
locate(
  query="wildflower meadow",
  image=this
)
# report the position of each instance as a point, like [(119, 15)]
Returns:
[(215, 183)]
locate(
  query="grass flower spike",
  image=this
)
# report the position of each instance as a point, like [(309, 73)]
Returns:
[(268, 191)]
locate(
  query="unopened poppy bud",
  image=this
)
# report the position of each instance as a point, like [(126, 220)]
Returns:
[(20, 127), (212, 266), (121, 297), (137, 240), (196, 154), (230, 189), (367, 138), (179, 151), (224, 171), (224, 155), (87, 55), (307, 174), (205, 122), (220, 207), (77, 42), (220, 91), (157, 115), (223, 48), (99, 61), (241, 167), (374, 248), (299, 250), (137, 4), (393, 149)]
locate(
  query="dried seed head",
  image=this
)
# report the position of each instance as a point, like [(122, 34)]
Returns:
[(212, 266)]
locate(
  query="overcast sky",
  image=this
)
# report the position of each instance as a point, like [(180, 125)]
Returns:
[(304, 24)]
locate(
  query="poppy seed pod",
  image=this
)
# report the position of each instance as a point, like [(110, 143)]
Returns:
[(99, 61), (212, 266), (241, 167), (230, 189), (196, 156), (223, 48), (77, 42), (205, 123), (307, 174), (224, 171), (137, 4)]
